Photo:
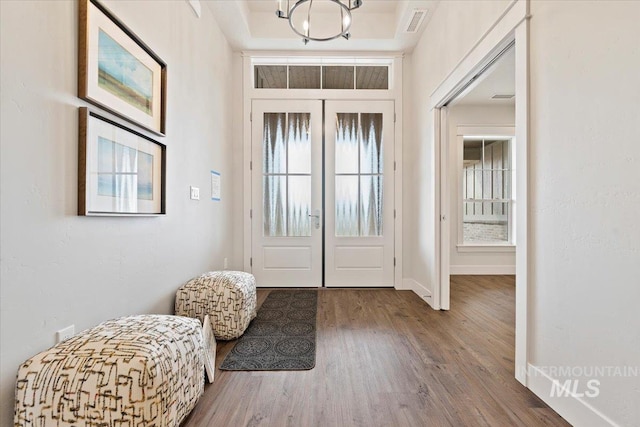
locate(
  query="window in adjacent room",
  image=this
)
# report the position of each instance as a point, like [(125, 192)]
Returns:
[(487, 196)]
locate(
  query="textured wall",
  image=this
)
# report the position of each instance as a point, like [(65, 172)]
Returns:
[(585, 194), (60, 269), (453, 30), (583, 183)]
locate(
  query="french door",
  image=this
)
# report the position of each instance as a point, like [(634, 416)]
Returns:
[(322, 212), (359, 193), (286, 196)]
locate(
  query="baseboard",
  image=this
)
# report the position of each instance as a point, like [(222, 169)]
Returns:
[(575, 409), (421, 290), (482, 269), (405, 285)]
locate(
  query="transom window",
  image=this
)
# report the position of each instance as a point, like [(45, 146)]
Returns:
[(357, 77)]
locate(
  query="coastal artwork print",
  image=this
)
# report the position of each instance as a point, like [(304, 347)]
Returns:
[(120, 170), (124, 172), (123, 75), (117, 71)]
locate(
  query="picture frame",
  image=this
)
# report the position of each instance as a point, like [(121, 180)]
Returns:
[(121, 172), (209, 348), (117, 71), (216, 186)]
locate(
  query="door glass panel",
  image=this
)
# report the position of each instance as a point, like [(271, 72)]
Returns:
[(371, 202), (286, 151), (273, 143), (347, 205), (299, 139), (359, 174), (371, 143), (299, 208), (274, 196), (346, 144)]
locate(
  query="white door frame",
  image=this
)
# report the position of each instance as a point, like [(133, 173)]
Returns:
[(513, 25), (445, 210), (249, 59)]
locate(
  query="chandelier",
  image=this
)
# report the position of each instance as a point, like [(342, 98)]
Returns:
[(298, 13)]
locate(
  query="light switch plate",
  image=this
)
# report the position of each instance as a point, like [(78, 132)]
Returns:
[(195, 193)]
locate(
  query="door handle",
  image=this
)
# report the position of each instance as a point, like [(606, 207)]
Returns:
[(316, 215)]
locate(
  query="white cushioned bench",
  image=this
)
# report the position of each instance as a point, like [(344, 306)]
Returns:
[(228, 297), (134, 371)]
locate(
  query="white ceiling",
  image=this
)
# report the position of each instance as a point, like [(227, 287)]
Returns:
[(378, 26), (499, 79)]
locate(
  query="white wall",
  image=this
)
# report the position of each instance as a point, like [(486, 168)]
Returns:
[(237, 172), (585, 197), (484, 262), (453, 30), (60, 269), (584, 189)]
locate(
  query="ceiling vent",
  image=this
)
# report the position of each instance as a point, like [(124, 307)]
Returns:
[(415, 20), (501, 96)]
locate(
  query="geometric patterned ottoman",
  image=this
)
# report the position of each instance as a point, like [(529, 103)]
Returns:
[(133, 371), (228, 297)]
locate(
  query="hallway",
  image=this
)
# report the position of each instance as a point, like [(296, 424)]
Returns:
[(384, 358)]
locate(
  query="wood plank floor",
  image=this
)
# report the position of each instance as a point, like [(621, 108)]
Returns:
[(384, 358)]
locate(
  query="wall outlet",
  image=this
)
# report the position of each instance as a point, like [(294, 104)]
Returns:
[(226, 264), (65, 334), (195, 193)]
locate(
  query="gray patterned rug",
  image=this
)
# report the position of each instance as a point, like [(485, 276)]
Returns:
[(281, 337)]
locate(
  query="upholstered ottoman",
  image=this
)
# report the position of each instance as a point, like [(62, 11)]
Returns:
[(228, 297), (134, 371)]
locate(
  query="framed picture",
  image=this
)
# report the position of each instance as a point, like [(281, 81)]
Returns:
[(215, 186), (117, 71), (120, 172), (209, 348)]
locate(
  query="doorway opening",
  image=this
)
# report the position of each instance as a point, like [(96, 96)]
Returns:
[(510, 30)]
